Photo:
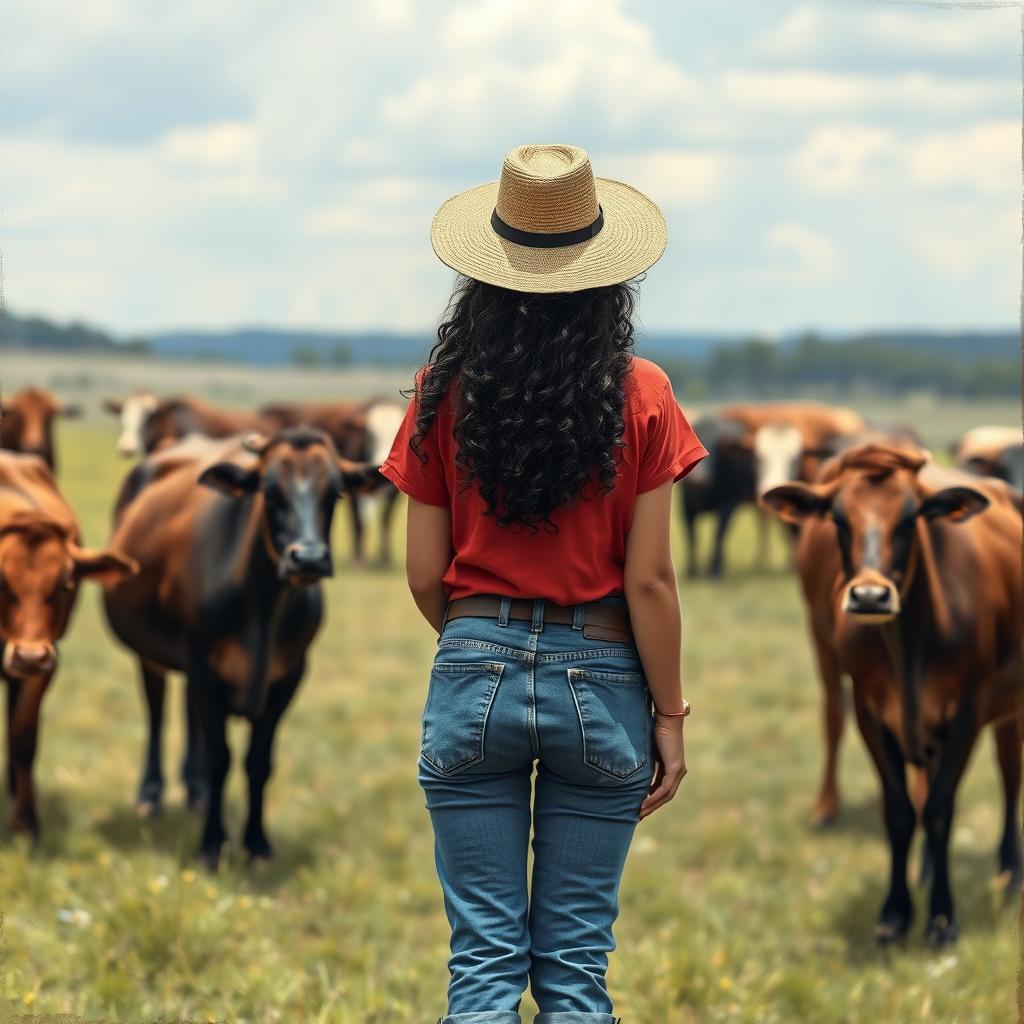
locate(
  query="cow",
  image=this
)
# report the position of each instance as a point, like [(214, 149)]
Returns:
[(363, 432), (175, 417), (719, 484), (232, 538), (789, 440), (26, 422), (42, 563), (133, 411), (992, 451), (911, 574)]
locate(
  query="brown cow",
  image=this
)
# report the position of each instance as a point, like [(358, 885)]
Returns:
[(789, 440), (26, 422), (42, 563), (361, 431), (232, 539), (174, 417), (912, 578)]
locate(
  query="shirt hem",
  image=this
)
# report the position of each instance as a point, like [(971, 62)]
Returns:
[(677, 470), (428, 497)]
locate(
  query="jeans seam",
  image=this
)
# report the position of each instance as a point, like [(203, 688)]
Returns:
[(531, 694), (496, 670), (485, 645)]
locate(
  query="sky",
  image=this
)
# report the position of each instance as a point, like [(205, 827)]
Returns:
[(840, 166)]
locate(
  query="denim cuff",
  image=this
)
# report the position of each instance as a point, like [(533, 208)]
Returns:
[(482, 1017), (575, 1017)]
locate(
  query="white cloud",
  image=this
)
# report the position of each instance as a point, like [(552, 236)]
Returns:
[(813, 90), (966, 243), (818, 32), (796, 253), (835, 158), (670, 177), (215, 145), (985, 157)]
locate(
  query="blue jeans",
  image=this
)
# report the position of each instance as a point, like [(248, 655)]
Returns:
[(502, 695)]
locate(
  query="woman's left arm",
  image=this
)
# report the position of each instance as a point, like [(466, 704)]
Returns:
[(428, 553)]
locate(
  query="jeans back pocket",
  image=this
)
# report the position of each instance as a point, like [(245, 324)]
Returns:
[(459, 699), (615, 719)]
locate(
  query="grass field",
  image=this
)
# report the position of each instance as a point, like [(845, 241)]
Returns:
[(732, 908)]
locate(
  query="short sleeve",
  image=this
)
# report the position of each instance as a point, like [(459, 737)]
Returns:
[(672, 447), (424, 481)]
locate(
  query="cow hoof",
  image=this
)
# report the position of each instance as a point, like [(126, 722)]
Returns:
[(822, 820), (195, 800), (890, 931), (941, 931), (210, 856), (28, 831), (147, 808), (259, 849), (1007, 884)]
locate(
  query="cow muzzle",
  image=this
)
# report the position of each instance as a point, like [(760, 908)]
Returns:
[(873, 598), (29, 659), (306, 562)]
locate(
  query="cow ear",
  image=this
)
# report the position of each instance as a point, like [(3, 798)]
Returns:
[(105, 567), (113, 406), (795, 502), (957, 504), (230, 478), (360, 477)]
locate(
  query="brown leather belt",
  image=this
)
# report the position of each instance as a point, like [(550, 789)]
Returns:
[(600, 621)]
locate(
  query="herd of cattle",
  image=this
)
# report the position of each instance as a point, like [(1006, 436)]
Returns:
[(220, 534)]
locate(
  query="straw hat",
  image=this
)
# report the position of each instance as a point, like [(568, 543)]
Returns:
[(549, 225)]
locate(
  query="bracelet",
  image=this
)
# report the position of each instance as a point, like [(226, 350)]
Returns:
[(675, 714)]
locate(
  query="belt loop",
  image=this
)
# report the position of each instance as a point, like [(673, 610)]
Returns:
[(577, 616), (506, 605), (537, 625)]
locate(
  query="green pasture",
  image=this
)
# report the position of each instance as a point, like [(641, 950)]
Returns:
[(732, 907)]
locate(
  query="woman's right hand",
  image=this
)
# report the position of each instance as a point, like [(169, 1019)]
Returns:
[(670, 764)]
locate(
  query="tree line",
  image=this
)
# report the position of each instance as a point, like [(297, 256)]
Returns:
[(812, 365)]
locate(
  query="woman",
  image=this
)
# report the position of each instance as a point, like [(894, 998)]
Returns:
[(539, 455)]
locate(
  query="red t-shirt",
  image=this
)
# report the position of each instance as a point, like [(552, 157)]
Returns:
[(584, 560)]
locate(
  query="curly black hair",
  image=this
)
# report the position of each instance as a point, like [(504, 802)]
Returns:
[(538, 385)]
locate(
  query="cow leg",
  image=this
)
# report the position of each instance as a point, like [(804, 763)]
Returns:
[(897, 910), (690, 526), (1008, 752), (387, 510), (942, 929), (23, 740), (919, 794), (792, 536), (355, 515), (717, 566), (826, 806), (13, 690), (151, 784), (213, 723), (193, 770), (259, 760), (763, 538)]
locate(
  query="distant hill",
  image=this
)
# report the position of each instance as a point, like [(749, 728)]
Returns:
[(38, 332), (700, 363), (271, 347)]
